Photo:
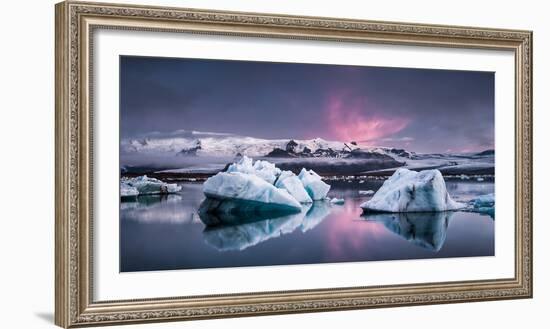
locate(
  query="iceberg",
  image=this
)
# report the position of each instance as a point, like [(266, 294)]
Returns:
[(239, 186), (260, 187), (314, 185), (337, 201), (411, 191), (143, 185), (290, 182), (487, 200), (367, 192)]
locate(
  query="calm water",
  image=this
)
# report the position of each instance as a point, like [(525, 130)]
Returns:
[(162, 233)]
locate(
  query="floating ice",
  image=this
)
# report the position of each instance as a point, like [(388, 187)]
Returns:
[(263, 169), (248, 187), (144, 185), (290, 182), (260, 187), (337, 201), (314, 185), (487, 200), (367, 192), (411, 191), (484, 204)]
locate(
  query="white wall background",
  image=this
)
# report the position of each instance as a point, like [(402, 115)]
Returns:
[(27, 162)]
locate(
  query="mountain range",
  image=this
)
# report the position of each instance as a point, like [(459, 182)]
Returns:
[(186, 151)]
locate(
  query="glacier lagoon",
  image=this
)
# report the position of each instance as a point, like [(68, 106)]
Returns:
[(166, 232)]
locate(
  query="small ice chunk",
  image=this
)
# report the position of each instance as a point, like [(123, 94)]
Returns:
[(146, 185), (412, 191), (480, 179), (337, 201), (314, 185), (248, 187), (486, 200), (367, 192), (484, 204), (290, 182), (263, 169), (464, 177)]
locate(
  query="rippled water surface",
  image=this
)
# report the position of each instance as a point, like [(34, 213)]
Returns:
[(162, 233)]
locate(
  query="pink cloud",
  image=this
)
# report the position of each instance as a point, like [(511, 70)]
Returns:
[(350, 118)]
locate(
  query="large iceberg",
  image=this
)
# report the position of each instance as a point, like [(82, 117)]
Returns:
[(314, 185), (143, 185), (411, 191), (247, 187), (260, 184)]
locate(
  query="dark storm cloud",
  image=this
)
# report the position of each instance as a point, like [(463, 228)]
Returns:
[(419, 109)]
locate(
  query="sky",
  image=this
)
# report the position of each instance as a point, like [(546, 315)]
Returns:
[(422, 110)]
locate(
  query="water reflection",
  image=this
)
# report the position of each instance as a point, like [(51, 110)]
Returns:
[(427, 230), (166, 233), (157, 209), (170, 208), (215, 212), (232, 231)]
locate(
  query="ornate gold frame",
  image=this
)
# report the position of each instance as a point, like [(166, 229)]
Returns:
[(75, 23)]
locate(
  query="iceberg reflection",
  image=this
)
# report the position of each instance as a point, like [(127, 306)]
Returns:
[(155, 209), (239, 226), (427, 230)]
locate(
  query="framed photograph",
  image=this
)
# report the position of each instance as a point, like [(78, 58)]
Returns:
[(218, 164)]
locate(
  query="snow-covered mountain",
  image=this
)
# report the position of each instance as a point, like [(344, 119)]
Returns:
[(194, 152), (193, 143)]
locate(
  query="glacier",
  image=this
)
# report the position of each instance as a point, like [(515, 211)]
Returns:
[(411, 191), (314, 185), (143, 185)]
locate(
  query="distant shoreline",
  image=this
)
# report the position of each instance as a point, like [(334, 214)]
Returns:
[(484, 175)]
